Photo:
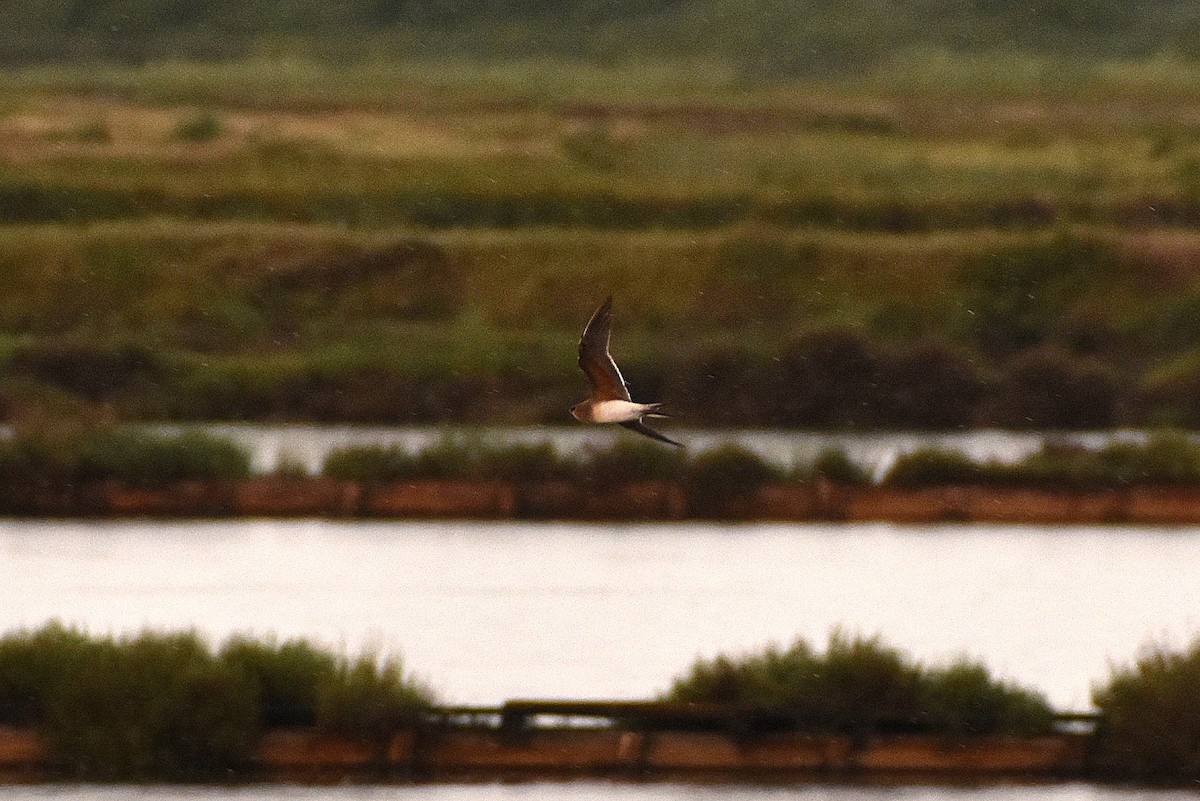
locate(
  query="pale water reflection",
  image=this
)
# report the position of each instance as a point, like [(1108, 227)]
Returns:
[(491, 611), (602, 791)]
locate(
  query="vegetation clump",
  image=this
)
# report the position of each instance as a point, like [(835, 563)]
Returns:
[(449, 457), (834, 464), (166, 706), (860, 685), (144, 459), (728, 469), (934, 466), (1150, 717), (721, 479), (66, 461), (1161, 460), (631, 460)]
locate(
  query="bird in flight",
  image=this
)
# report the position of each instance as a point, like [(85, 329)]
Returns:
[(610, 401)]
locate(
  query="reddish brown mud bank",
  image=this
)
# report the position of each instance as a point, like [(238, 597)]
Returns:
[(644, 500), (466, 753)]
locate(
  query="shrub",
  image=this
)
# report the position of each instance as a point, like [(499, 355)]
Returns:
[(93, 371), (466, 457), (148, 460), (631, 460), (1149, 725), (370, 700), (288, 677), (731, 467), (865, 682), (369, 463), (1049, 388), (32, 665), (772, 677), (719, 385), (37, 459), (61, 461), (1164, 459), (449, 457), (929, 386), (720, 480), (963, 698), (827, 380), (861, 684), (202, 127), (933, 466), (836, 465), (156, 706), (163, 706), (532, 462)]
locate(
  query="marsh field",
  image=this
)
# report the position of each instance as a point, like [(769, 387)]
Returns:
[(940, 243), (306, 249)]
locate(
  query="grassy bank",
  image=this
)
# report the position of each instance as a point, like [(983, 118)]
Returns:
[(162, 706)]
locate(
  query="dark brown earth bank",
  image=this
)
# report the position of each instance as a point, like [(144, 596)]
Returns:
[(278, 496), (465, 753)]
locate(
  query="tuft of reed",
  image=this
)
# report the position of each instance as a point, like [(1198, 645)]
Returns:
[(1149, 726), (859, 685), (168, 707)]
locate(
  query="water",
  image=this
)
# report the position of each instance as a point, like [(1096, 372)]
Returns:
[(490, 611), (307, 445), (590, 790)]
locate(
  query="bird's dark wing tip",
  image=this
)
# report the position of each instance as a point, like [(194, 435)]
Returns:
[(645, 430)]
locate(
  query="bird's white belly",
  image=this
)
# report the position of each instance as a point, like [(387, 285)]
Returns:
[(618, 411)]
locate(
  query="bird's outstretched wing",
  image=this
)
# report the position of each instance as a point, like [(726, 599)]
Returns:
[(642, 428), (595, 360)]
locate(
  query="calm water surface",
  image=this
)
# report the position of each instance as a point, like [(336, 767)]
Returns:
[(594, 790), (490, 611)]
